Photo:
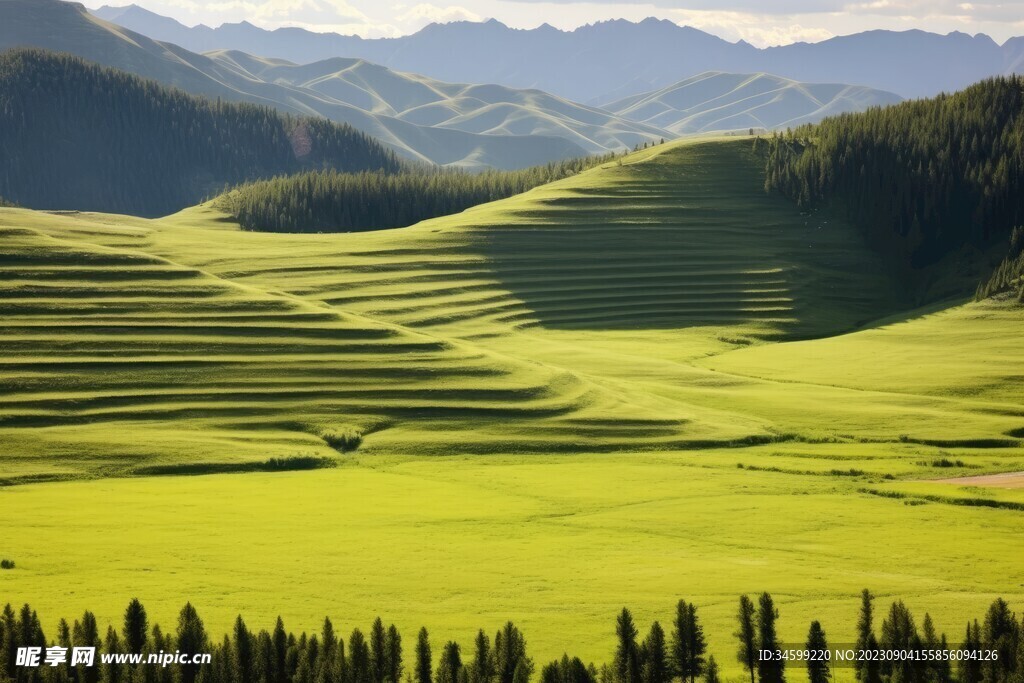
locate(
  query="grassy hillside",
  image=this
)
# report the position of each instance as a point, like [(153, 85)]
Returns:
[(680, 385), (571, 313)]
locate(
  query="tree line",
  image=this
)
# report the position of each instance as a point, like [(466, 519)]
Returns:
[(923, 179), (679, 655), (332, 201), (74, 135)]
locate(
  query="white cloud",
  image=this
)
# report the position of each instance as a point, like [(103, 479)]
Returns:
[(420, 15), (757, 29)]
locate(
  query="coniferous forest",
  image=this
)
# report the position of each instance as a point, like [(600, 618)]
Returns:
[(329, 201), (990, 650), (923, 178), (77, 136)]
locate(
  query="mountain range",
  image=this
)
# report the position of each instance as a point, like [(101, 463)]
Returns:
[(607, 61), (454, 124)]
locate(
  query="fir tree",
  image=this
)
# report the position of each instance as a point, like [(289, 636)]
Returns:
[(450, 665), (769, 670), (424, 665), (747, 635), (817, 666), (136, 627), (627, 663)]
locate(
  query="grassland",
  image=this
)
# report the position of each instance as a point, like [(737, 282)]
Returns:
[(587, 366)]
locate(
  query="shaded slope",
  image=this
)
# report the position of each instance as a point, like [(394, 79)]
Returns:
[(680, 236)]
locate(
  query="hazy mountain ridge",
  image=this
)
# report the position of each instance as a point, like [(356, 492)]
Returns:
[(420, 117), (610, 60), (68, 27), (422, 101), (720, 101)]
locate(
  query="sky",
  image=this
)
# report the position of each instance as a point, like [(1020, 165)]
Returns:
[(760, 22)]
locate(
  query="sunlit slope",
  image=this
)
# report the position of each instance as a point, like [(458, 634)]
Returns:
[(118, 361), (569, 319), (966, 358), (679, 236)]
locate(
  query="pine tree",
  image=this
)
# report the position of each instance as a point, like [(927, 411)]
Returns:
[(769, 670), (393, 655), (359, 665), (378, 654), (243, 651), (424, 665), (191, 638), (1000, 633), (510, 653), (747, 635), (450, 665), (865, 636), (136, 627), (482, 669), (627, 664), (711, 671), (110, 672), (970, 668), (656, 664), (899, 632), (280, 640), (688, 642), (817, 666), (8, 642), (87, 634), (263, 667)]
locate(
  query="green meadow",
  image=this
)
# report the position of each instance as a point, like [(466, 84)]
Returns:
[(647, 382)]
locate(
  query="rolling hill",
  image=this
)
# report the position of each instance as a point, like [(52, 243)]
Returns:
[(481, 332), (716, 101), (631, 379), (610, 60), (476, 109)]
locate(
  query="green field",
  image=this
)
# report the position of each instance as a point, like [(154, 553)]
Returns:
[(556, 393)]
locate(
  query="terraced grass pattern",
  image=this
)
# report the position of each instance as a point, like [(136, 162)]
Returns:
[(646, 382)]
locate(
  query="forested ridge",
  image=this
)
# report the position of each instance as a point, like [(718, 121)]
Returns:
[(78, 136), (991, 651), (329, 201), (923, 178)]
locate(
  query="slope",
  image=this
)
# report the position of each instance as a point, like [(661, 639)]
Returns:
[(719, 101)]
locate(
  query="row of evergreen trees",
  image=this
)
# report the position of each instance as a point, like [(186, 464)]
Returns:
[(329, 201), (74, 135), (922, 178), (279, 656)]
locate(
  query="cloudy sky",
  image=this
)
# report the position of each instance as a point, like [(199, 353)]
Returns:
[(761, 22)]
